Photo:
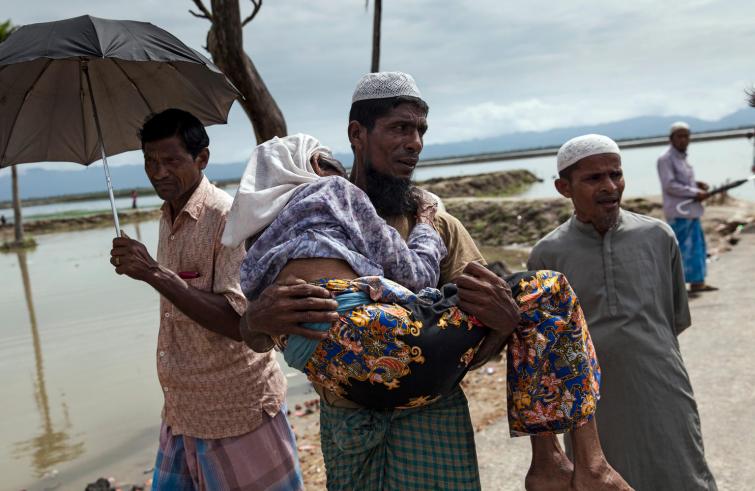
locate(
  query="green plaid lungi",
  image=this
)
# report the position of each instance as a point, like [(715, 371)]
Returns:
[(426, 448)]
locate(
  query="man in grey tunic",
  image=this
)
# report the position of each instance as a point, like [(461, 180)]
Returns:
[(627, 272)]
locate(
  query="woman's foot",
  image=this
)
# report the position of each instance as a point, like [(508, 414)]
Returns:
[(601, 476), (556, 475)]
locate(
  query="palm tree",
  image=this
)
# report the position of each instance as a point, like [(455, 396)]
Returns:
[(6, 29)]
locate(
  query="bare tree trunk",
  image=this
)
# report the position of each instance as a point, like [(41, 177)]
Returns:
[(376, 36), (225, 44), (18, 223)]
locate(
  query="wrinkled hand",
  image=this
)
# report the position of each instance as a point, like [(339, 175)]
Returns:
[(131, 258), (282, 307), (427, 207), (703, 185), (702, 196), (488, 297)]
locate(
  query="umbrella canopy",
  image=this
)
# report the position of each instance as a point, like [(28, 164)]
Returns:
[(57, 79)]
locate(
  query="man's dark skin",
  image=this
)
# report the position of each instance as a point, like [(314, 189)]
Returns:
[(175, 175), (392, 147)]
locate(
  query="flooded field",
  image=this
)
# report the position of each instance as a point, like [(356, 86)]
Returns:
[(77, 356)]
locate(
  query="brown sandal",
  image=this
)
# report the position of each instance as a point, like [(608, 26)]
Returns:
[(702, 288)]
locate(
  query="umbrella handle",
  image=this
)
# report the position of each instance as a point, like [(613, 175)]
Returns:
[(85, 69), (682, 207)]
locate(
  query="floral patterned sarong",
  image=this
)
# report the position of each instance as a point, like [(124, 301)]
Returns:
[(398, 350), (553, 376), (401, 350)]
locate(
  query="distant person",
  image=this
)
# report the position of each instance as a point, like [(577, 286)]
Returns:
[(3, 221), (627, 272), (678, 184), (134, 195), (224, 423)]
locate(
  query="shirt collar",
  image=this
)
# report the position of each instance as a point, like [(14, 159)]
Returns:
[(194, 206)]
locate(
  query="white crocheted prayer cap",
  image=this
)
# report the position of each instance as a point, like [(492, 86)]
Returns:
[(583, 146), (382, 85), (679, 125)]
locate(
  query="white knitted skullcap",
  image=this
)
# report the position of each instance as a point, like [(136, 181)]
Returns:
[(382, 85), (679, 125), (583, 146)]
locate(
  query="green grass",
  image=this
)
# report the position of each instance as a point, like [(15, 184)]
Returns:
[(79, 214), (118, 193), (12, 246)]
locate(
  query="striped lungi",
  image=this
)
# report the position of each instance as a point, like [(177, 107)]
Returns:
[(431, 447), (264, 459)]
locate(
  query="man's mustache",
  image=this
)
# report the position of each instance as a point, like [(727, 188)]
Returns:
[(607, 198)]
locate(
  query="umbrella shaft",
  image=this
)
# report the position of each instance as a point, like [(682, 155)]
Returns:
[(108, 181), (110, 194)]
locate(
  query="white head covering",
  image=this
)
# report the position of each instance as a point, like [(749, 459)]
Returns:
[(382, 85), (679, 125), (583, 146), (275, 170)]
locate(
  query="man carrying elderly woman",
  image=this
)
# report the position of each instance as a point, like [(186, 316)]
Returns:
[(398, 345)]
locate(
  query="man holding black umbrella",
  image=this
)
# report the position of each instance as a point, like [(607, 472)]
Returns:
[(224, 424), (678, 184)]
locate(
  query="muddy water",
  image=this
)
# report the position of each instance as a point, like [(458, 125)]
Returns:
[(80, 397)]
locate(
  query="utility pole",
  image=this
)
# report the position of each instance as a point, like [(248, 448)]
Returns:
[(376, 36)]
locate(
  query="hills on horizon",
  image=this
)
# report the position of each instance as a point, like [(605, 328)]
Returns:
[(42, 183)]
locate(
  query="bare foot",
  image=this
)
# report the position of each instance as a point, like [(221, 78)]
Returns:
[(555, 477), (599, 477)]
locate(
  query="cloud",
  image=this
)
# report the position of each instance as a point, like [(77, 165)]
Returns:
[(486, 67), (491, 118)]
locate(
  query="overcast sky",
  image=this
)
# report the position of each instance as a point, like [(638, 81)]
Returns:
[(485, 67)]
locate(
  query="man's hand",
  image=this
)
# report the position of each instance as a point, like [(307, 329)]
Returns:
[(488, 297), (702, 185), (702, 196), (131, 258), (283, 307)]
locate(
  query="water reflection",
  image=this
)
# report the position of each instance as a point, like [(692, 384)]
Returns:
[(51, 446)]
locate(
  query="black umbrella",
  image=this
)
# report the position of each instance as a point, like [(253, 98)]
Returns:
[(78, 90), (682, 207)]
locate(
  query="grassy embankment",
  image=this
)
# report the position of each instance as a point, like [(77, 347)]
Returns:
[(118, 193), (504, 226)]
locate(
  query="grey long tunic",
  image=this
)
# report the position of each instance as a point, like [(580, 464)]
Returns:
[(631, 286)]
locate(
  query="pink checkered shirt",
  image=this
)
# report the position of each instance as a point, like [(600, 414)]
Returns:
[(214, 387)]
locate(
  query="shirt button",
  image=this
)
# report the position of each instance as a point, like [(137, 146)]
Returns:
[(172, 237), (165, 389), (167, 314), (162, 353)]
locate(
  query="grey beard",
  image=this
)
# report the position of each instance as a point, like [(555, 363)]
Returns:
[(608, 222)]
